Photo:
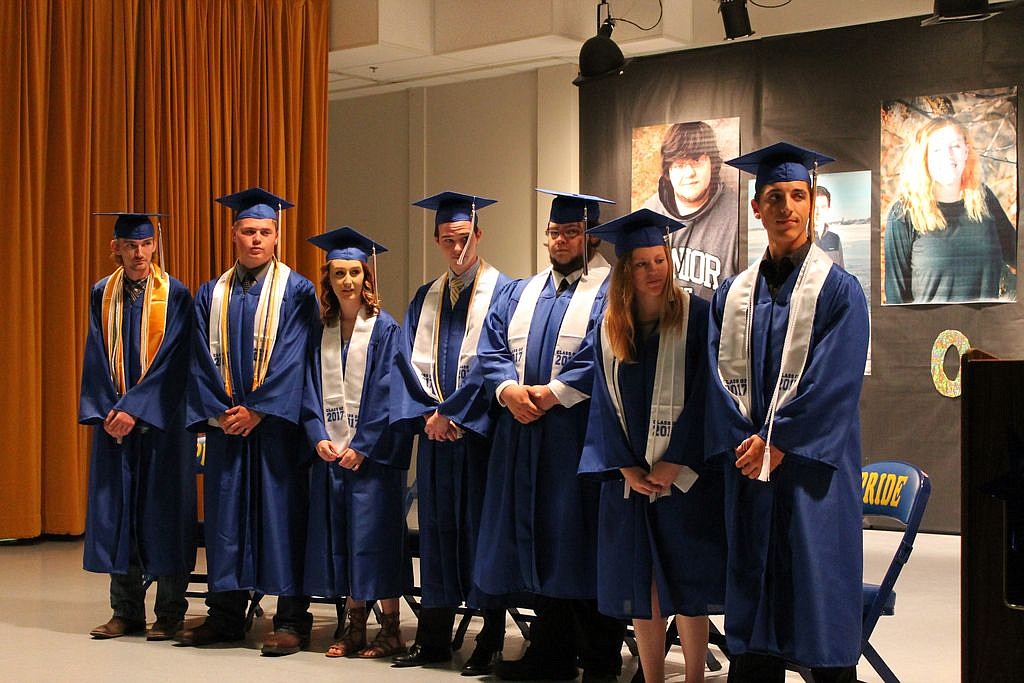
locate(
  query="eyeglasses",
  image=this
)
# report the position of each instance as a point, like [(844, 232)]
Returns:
[(568, 234)]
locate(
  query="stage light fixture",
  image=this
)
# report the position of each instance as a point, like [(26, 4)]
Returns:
[(600, 56), (735, 18), (948, 11)]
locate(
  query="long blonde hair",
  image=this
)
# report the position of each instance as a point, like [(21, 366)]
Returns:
[(620, 314), (915, 190)]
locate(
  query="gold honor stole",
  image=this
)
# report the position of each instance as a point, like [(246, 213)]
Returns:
[(574, 324), (666, 400), (734, 345), (154, 322), (268, 317), (425, 345), (342, 389)]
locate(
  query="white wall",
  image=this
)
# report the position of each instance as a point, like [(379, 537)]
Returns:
[(497, 137)]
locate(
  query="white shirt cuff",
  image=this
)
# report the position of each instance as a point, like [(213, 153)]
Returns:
[(565, 394), (501, 388)]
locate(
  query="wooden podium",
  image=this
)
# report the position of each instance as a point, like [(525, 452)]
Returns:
[(992, 519)]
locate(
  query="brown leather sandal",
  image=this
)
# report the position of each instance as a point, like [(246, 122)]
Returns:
[(353, 639), (388, 640)]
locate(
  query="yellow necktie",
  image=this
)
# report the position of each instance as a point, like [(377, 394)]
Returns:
[(455, 286)]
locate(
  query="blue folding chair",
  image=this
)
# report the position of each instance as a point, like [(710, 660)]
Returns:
[(899, 491), (895, 490)]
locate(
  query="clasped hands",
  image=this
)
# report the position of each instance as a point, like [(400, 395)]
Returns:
[(440, 428), (528, 403), (239, 420), (658, 480), (750, 455), (348, 458), (118, 424)]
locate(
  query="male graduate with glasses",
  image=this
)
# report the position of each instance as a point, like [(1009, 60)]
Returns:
[(142, 494), (788, 338), (248, 374), (539, 529), (438, 393)]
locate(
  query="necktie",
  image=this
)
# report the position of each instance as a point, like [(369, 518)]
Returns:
[(134, 288), (455, 286), (247, 282), (562, 286)]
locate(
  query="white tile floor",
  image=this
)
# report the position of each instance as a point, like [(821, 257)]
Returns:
[(48, 604)]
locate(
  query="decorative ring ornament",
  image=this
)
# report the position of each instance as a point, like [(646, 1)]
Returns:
[(946, 340)]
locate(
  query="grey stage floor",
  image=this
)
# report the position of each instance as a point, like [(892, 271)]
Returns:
[(48, 604)]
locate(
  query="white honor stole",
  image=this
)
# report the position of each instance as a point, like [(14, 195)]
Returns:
[(666, 400), (574, 325), (268, 317), (425, 345), (734, 345), (342, 389)]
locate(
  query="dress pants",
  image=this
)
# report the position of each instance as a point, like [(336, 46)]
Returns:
[(227, 612), (434, 631), (128, 595), (566, 630)]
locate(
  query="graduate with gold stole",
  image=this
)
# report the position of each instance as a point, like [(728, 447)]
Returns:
[(142, 498)]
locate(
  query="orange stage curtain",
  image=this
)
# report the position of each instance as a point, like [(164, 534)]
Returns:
[(111, 105)]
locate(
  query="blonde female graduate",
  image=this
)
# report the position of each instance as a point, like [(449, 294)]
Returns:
[(661, 547), (356, 540), (947, 238)]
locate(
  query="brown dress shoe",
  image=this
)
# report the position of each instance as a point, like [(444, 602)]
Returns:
[(206, 634), (284, 642), (164, 629), (117, 627)]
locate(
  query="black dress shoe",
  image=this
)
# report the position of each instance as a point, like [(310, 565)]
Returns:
[(481, 662), (420, 656), (534, 668), (592, 677)]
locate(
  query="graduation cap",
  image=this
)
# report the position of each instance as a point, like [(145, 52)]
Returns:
[(348, 244), (255, 203), (641, 228), (779, 163), (570, 207), (450, 207), (454, 206), (137, 226)]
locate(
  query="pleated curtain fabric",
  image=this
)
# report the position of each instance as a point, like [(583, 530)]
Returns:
[(110, 105)]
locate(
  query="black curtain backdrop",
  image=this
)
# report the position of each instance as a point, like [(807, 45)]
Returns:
[(824, 90)]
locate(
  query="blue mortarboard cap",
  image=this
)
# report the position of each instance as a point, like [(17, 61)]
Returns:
[(348, 244), (453, 206), (641, 228), (131, 226), (255, 203), (779, 163), (568, 207)]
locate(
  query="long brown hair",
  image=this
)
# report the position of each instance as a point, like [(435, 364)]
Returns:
[(620, 315), (330, 307)]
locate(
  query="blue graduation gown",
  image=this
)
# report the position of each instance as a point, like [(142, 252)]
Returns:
[(795, 563), (679, 540), (450, 475), (256, 487), (539, 528), (355, 543), (145, 487)]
